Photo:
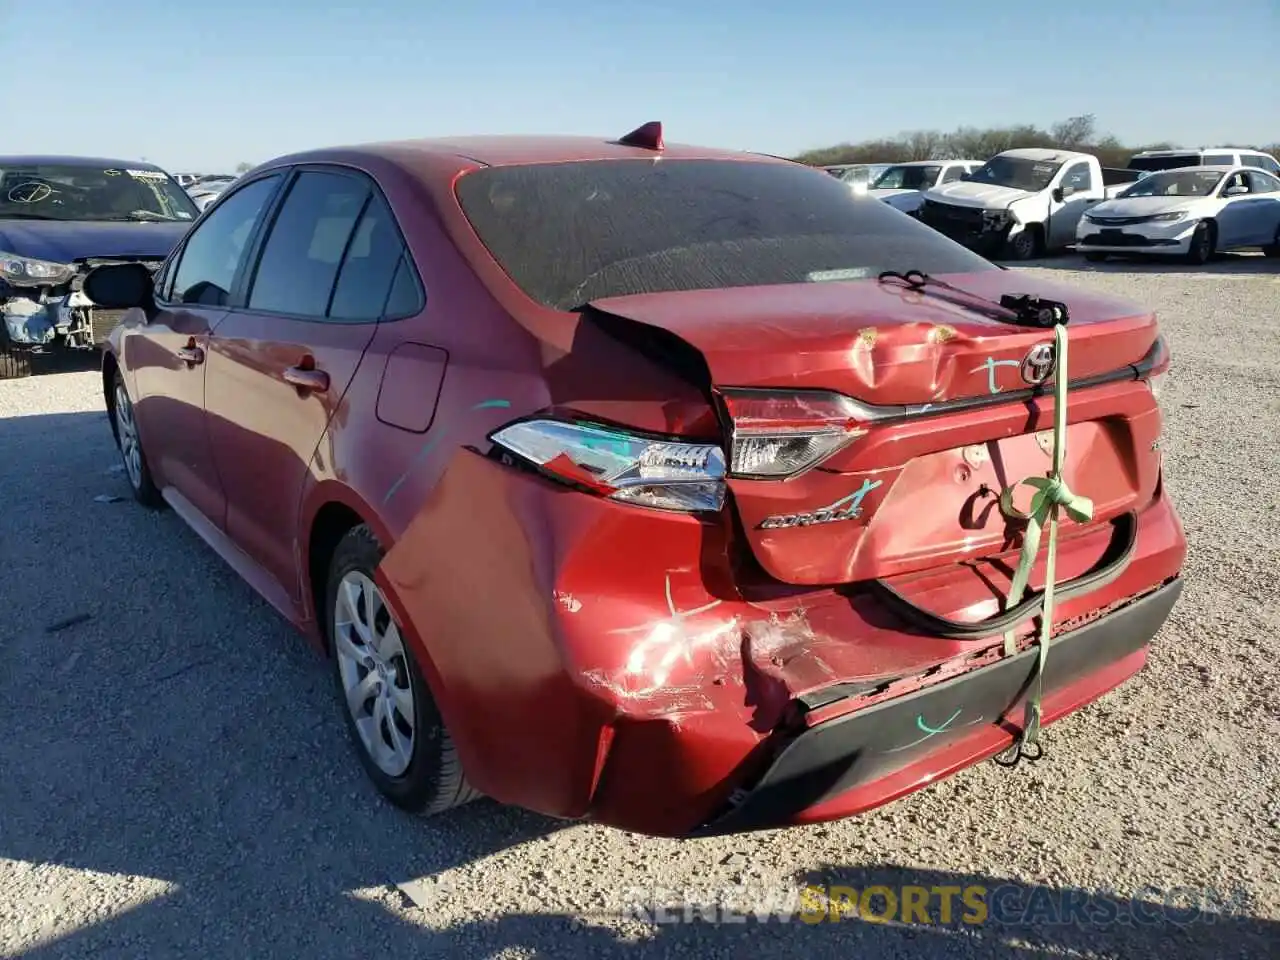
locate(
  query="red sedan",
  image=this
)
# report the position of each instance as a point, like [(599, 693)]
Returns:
[(648, 484)]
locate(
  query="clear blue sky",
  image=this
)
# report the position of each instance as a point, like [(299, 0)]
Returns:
[(203, 86)]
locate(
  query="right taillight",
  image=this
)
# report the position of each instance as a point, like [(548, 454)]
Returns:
[(778, 434)]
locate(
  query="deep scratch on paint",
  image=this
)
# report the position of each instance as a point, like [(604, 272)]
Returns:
[(434, 441)]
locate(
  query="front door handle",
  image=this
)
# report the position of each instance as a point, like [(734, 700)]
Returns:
[(191, 354), (307, 379)]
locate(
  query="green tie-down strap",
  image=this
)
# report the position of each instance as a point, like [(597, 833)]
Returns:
[(1051, 495)]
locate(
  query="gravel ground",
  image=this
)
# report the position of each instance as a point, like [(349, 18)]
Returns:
[(175, 779)]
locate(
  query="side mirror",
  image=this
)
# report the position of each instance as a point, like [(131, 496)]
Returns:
[(1059, 194), (120, 286), (1235, 191)]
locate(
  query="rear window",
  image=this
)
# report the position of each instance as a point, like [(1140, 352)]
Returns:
[(1167, 162), (570, 233)]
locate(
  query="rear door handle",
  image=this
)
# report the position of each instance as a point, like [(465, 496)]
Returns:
[(191, 354), (307, 378)]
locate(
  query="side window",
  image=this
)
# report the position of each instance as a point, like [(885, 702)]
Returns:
[(1077, 178), (304, 249), (1263, 162), (370, 265), (952, 172), (1261, 183), (1233, 181), (404, 298), (1219, 160), (213, 251)]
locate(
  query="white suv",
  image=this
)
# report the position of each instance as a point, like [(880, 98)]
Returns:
[(1152, 160)]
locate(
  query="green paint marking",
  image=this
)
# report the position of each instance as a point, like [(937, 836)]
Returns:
[(931, 731), (439, 434)]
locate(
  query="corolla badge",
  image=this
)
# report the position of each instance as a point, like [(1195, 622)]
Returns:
[(846, 508), (1037, 366)]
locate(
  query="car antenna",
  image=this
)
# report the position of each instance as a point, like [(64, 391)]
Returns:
[(647, 137)]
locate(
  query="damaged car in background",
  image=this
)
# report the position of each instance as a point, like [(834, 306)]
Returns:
[(1023, 203), (59, 218)]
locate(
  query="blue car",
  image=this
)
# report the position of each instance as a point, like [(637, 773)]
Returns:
[(61, 216)]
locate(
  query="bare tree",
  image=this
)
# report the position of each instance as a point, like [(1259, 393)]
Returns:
[(1074, 133), (243, 167)]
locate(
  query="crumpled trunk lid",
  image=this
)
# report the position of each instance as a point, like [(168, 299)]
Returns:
[(883, 344), (918, 489)]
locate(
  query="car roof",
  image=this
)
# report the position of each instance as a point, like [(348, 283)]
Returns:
[(500, 150), (930, 163), (52, 160), (1041, 153), (1177, 153), (1211, 167)]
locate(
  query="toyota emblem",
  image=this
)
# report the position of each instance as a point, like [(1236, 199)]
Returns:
[(1038, 365)]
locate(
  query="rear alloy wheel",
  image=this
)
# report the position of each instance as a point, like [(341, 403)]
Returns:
[(1273, 248), (1023, 245), (15, 363), (1202, 243), (391, 716), (130, 443)]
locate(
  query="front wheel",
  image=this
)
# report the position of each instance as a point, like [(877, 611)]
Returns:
[(1202, 243), (1023, 245), (15, 363), (390, 714)]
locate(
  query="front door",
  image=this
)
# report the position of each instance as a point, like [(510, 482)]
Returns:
[(1078, 194), (168, 354), (279, 366), (1235, 220)]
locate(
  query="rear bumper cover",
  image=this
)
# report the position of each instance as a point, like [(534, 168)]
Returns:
[(626, 677), (838, 756)]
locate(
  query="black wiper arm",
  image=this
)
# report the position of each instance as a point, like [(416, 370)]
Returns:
[(1020, 308)]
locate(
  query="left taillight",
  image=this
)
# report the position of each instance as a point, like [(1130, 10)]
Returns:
[(660, 473), (777, 434)]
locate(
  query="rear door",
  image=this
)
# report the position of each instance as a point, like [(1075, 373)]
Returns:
[(281, 360), (1265, 209), (167, 355)]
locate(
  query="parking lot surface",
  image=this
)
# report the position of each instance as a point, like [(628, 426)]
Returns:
[(175, 779)]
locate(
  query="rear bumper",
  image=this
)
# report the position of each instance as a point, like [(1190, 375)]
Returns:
[(858, 761), (596, 661)]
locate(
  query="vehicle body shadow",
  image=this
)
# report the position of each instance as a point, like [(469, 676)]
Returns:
[(1019, 920), (162, 721)]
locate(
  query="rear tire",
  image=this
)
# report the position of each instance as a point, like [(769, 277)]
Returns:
[(1203, 240), (411, 760), (15, 363), (129, 443), (1273, 248)]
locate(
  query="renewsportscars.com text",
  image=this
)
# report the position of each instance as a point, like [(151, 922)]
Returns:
[(939, 905)]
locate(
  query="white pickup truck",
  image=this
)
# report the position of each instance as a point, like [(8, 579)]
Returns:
[(1022, 203)]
